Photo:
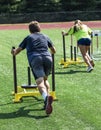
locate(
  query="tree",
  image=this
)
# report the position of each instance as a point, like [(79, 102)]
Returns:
[(98, 4), (7, 6), (30, 6), (38, 6), (87, 4), (74, 5)]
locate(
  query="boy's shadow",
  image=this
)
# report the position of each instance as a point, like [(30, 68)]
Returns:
[(23, 112)]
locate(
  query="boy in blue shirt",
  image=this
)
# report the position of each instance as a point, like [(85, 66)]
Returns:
[(40, 60)]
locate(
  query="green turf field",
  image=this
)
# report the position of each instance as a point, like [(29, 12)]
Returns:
[(78, 92)]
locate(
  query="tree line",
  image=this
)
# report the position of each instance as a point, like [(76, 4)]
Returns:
[(31, 6)]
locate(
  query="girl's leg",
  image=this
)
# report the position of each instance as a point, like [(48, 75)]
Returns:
[(90, 59), (86, 57)]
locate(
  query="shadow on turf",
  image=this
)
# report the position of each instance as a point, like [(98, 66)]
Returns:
[(24, 112), (71, 72)]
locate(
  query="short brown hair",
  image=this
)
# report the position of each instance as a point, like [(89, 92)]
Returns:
[(34, 27)]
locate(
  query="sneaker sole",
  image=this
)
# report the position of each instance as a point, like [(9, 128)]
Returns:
[(89, 70), (49, 105)]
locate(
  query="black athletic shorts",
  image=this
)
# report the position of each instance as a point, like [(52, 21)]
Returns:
[(84, 41), (41, 66)]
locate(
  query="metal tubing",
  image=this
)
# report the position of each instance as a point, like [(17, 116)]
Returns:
[(71, 40), (14, 73), (53, 74), (97, 40), (74, 53), (71, 52), (91, 46), (64, 50), (29, 76)]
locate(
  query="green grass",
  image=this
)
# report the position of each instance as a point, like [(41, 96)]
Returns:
[(78, 92)]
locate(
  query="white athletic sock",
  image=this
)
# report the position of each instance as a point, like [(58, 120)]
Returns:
[(44, 95)]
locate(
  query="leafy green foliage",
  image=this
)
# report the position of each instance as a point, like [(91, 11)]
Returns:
[(30, 6)]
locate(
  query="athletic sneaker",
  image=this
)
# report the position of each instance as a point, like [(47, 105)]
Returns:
[(89, 69), (48, 104)]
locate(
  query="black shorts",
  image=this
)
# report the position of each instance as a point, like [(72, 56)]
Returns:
[(41, 66), (84, 41)]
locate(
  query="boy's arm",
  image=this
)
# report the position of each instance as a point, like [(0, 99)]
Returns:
[(16, 51), (53, 50)]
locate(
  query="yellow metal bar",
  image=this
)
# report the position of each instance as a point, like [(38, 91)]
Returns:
[(31, 92)]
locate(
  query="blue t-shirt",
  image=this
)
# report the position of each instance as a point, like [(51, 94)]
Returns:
[(36, 44)]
